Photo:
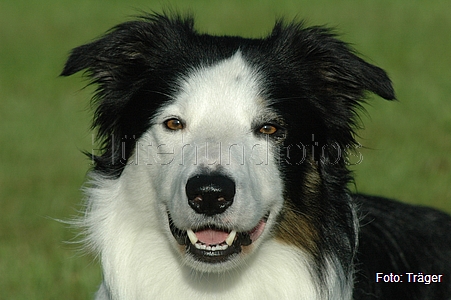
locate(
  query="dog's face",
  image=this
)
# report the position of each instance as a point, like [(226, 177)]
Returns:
[(222, 132), (212, 154)]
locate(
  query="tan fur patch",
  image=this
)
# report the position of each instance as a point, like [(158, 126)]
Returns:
[(312, 180), (296, 227)]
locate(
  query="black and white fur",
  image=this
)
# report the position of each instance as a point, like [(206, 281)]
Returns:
[(223, 173)]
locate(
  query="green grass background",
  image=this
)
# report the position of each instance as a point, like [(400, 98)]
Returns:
[(44, 120)]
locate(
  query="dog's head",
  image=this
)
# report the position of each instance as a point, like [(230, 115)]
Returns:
[(223, 131)]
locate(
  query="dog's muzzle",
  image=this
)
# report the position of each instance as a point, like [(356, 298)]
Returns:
[(210, 195)]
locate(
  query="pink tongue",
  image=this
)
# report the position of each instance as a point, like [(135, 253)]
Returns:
[(211, 237)]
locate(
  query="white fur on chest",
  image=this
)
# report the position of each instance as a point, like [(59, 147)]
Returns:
[(275, 272)]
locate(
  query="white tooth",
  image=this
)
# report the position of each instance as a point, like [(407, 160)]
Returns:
[(229, 240), (192, 236)]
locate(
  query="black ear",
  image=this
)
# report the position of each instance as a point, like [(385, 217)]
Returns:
[(132, 67), (115, 64), (325, 86), (133, 45), (102, 57), (342, 70), (329, 60), (342, 67), (343, 80)]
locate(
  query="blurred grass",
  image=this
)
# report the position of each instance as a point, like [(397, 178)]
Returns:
[(44, 119)]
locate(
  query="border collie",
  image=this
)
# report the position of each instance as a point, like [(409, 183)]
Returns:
[(223, 171)]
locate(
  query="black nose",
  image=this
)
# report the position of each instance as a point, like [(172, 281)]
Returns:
[(210, 194)]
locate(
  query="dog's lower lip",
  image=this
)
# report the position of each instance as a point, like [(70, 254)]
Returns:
[(222, 243)]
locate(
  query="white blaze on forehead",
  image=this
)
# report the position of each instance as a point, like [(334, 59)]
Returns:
[(219, 105), (224, 94)]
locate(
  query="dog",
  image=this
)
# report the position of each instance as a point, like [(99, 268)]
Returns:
[(223, 172)]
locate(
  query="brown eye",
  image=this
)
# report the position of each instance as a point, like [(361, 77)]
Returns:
[(173, 124), (268, 129)]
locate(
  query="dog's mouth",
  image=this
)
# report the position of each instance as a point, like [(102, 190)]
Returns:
[(212, 244)]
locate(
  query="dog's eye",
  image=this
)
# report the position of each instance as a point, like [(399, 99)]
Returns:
[(268, 129), (173, 124)]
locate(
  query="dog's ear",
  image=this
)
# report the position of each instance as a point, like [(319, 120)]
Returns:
[(104, 56), (132, 67), (342, 81), (129, 47), (329, 62), (343, 69), (326, 85)]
